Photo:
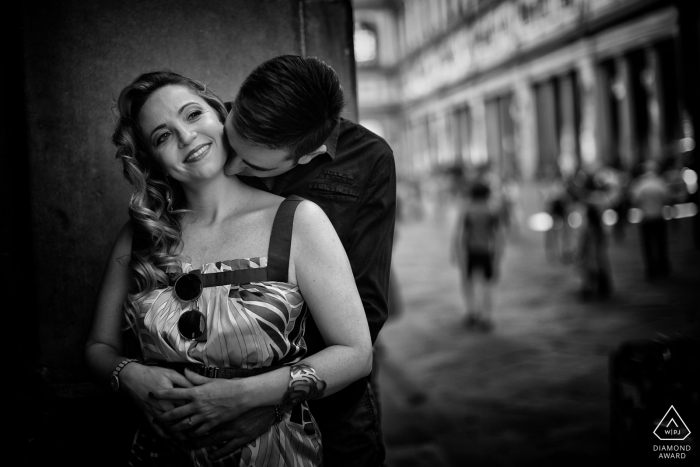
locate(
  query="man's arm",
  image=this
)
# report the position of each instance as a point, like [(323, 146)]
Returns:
[(372, 241)]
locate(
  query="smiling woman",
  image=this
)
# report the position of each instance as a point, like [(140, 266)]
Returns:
[(184, 134), (215, 290)]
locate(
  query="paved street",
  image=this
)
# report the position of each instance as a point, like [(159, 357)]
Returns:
[(534, 391)]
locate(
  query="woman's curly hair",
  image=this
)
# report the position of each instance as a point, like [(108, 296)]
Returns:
[(157, 202)]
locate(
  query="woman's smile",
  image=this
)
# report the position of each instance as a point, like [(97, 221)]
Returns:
[(198, 153)]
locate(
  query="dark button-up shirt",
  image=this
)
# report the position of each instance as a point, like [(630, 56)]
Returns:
[(355, 184)]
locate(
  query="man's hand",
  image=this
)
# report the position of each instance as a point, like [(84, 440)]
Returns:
[(237, 433), (209, 403), (138, 380)]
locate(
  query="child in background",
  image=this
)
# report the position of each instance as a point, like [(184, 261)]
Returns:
[(477, 246)]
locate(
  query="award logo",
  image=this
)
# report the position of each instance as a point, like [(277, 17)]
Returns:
[(672, 427)]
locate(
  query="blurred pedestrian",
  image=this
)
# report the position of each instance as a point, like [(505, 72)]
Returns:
[(593, 259), (557, 201), (650, 194), (613, 183), (477, 248)]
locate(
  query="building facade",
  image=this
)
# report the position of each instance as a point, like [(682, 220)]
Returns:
[(531, 87)]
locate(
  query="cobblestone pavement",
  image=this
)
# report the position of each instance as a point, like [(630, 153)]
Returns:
[(534, 391)]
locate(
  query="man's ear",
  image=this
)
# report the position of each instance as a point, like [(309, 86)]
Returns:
[(306, 158)]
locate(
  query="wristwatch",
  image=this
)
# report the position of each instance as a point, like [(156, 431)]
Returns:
[(114, 377)]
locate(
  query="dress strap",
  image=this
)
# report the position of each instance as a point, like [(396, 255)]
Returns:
[(281, 240)]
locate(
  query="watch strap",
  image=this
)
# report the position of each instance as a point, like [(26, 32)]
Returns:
[(114, 378)]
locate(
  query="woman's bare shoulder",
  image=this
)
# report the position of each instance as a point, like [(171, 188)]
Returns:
[(311, 222), (310, 212)]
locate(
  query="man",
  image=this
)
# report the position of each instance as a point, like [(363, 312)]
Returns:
[(287, 138)]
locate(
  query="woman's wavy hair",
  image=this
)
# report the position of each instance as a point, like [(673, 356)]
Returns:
[(157, 202)]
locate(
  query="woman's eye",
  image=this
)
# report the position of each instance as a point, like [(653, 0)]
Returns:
[(194, 114), (162, 138)]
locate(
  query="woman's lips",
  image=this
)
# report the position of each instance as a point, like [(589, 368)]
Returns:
[(198, 153)]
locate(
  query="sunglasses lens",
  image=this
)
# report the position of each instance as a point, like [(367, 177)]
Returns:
[(192, 324), (188, 287)]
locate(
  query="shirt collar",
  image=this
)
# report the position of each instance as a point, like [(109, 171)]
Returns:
[(332, 141)]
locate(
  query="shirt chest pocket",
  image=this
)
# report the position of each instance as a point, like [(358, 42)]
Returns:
[(334, 185)]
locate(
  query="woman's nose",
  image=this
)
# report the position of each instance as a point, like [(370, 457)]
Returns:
[(186, 137)]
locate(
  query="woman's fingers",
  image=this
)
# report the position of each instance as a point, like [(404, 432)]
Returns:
[(172, 394), (179, 380), (194, 378), (175, 415), (185, 424)]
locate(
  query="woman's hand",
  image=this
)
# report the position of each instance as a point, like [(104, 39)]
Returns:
[(206, 404), (140, 380)]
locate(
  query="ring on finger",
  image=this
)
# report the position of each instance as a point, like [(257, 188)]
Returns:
[(189, 421)]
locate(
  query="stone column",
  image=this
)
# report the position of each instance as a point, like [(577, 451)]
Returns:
[(494, 135), (462, 132), (651, 78), (568, 151), (590, 137), (547, 138), (444, 149), (622, 88), (604, 149), (526, 128), (478, 143)]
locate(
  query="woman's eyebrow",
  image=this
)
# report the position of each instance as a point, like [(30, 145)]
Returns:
[(179, 112)]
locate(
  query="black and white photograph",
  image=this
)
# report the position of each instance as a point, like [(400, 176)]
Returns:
[(352, 233)]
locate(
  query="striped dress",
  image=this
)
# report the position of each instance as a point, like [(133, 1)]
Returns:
[(250, 325)]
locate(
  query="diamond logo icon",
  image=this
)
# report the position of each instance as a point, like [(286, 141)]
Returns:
[(672, 427)]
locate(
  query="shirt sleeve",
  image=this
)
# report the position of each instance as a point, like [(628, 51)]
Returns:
[(372, 242)]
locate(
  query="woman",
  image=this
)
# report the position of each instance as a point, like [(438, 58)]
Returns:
[(207, 282)]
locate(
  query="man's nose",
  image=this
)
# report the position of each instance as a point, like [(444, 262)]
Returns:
[(234, 165)]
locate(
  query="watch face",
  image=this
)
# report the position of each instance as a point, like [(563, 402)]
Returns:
[(114, 381)]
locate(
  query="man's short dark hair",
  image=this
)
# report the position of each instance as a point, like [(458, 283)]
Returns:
[(289, 102)]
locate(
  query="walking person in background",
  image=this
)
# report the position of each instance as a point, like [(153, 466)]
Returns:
[(595, 194), (556, 202), (477, 248), (650, 194), (593, 259)]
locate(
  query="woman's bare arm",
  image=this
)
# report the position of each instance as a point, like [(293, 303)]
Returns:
[(104, 349)]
